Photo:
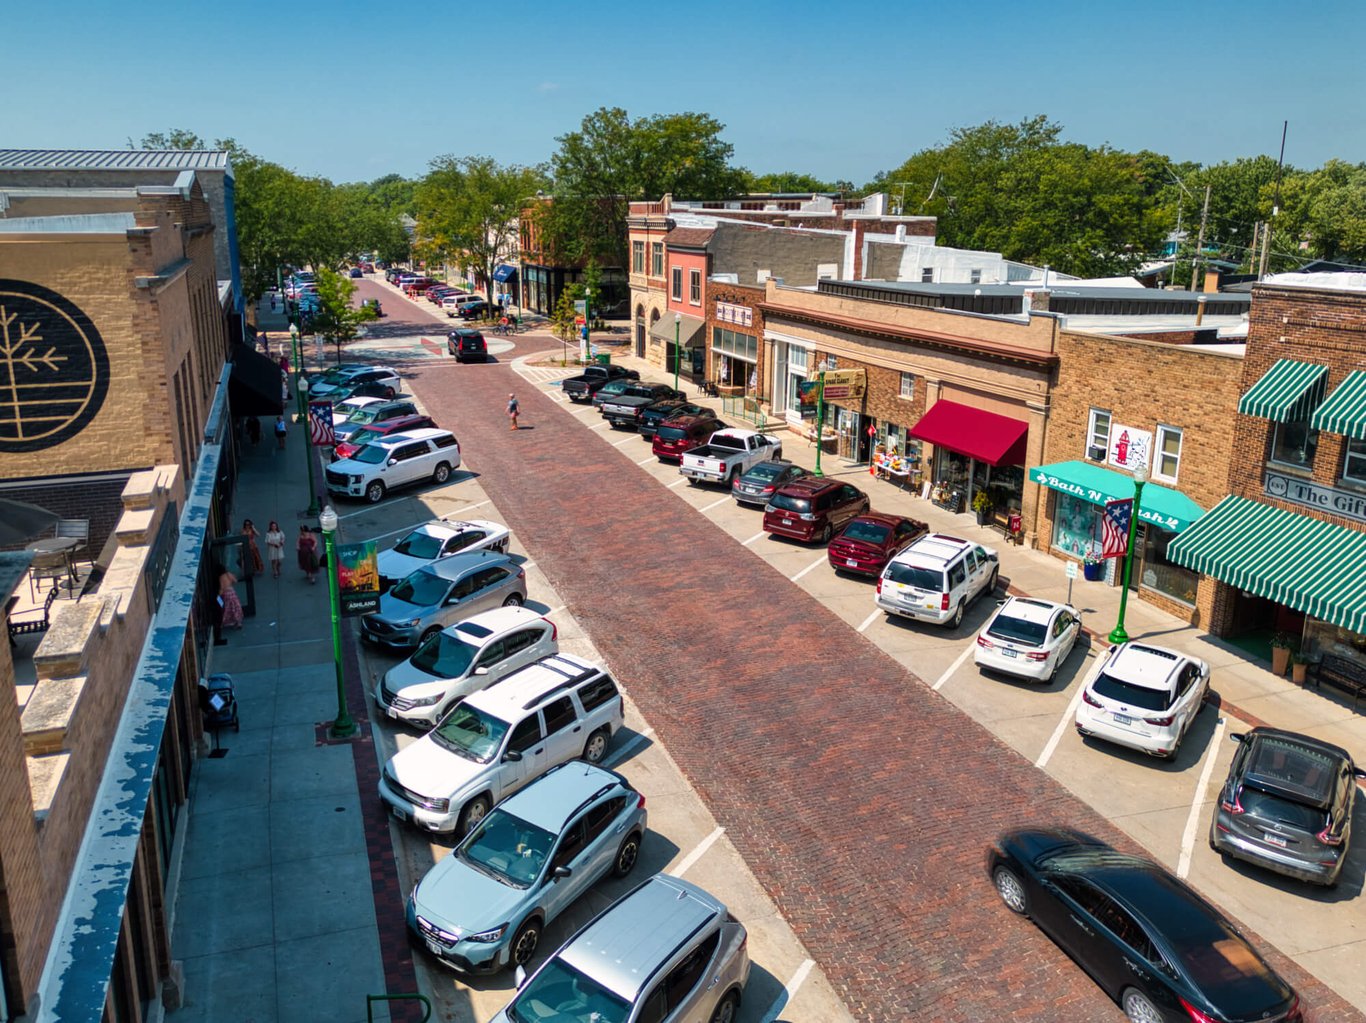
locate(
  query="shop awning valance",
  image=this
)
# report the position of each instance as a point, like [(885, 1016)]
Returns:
[(985, 436), (689, 331), (1288, 391), (254, 386), (1345, 410), (505, 272), (1311, 566), (1162, 506)]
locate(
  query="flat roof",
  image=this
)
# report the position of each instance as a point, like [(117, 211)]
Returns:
[(82, 223), (114, 159)]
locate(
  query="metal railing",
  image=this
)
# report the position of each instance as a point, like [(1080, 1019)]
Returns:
[(739, 406), (370, 1001)]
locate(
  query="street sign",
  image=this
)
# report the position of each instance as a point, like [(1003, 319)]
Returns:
[(1071, 570), (581, 307)]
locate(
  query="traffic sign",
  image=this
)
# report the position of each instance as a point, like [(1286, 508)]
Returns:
[(1071, 570)]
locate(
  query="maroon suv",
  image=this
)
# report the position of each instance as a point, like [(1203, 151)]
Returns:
[(812, 508), (362, 437), (676, 436), (870, 541)]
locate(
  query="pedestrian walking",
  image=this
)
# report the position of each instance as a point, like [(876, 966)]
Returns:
[(230, 606), (512, 411), (272, 301), (280, 430), (253, 548), (275, 544), (307, 546), (253, 430)]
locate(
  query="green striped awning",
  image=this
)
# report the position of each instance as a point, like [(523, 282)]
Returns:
[(1288, 391), (1312, 566), (1345, 410)]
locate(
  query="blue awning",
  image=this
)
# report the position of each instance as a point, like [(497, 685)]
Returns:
[(505, 272)]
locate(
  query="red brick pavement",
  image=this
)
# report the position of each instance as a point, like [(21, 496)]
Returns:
[(861, 799)]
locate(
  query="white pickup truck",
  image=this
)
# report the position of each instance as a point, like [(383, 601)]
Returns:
[(728, 455)]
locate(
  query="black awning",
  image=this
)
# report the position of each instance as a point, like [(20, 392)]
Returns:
[(254, 387)]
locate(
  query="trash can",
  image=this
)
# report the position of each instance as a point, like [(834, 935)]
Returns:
[(603, 358)]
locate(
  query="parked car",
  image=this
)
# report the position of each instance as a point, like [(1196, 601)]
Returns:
[(356, 441), (582, 387), (501, 739), (867, 543), (378, 411), (398, 460), (462, 659), (435, 540), (675, 436), (444, 592), (467, 345), (345, 409), (1287, 805), (1028, 637), (611, 389), (437, 292), (761, 482), (478, 309), (624, 409), (1151, 943), (654, 414), (451, 303), (667, 951), (485, 906), (728, 455), (385, 377), (1142, 696), (813, 508), (936, 578), (356, 272), (416, 286)]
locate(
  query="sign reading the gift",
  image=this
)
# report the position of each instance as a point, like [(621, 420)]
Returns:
[(1129, 447)]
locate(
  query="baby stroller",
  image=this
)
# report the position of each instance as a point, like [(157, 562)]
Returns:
[(218, 703)]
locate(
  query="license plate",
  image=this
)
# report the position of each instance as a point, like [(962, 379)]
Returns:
[(1122, 719), (851, 562), (1276, 840), (787, 522), (1007, 652), (435, 946)]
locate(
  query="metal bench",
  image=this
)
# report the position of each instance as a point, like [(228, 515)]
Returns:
[(38, 620), (1344, 674)]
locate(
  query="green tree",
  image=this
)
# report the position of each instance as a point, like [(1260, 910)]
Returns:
[(338, 319), (784, 181), (562, 317)]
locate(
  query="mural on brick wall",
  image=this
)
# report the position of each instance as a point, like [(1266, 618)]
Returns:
[(54, 371)]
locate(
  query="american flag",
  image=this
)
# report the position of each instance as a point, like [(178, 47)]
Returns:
[(320, 424), (1114, 528)]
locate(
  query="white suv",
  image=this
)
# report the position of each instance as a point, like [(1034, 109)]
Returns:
[(396, 460), (1143, 696), (936, 578), (500, 739)]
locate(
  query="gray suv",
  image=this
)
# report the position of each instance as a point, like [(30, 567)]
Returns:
[(442, 593), (667, 951), (485, 905)]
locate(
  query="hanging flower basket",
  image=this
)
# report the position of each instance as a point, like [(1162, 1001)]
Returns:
[(1093, 568)]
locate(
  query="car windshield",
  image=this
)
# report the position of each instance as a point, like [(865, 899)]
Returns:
[(1126, 692), (1017, 630), (418, 544), (786, 502), (348, 408), (366, 415), (371, 454), (422, 589), (362, 437), (509, 848), (470, 733), (561, 994), (867, 532), (931, 579), (1264, 806), (444, 656)]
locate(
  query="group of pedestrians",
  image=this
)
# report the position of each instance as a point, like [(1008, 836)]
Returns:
[(231, 614)]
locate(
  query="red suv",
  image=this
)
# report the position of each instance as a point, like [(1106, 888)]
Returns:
[(675, 436), (812, 508), (362, 437), (870, 541)]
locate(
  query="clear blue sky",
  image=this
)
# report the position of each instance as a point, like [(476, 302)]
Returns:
[(355, 90)]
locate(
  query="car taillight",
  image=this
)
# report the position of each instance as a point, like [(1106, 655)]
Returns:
[(769, 490), (554, 629), (621, 706), (735, 484), (944, 603), (984, 643), (1087, 698), (1037, 655), (807, 517), (1328, 838), (640, 803), (1162, 722), (879, 584), (521, 573), (1195, 1014), (1235, 806)]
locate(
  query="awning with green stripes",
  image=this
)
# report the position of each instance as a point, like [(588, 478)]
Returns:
[(1288, 391), (1345, 410), (1312, 566)]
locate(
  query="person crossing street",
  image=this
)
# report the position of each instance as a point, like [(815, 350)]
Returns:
[(512, 411)]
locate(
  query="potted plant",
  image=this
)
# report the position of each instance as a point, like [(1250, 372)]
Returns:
[(1093, 566), (982, 505), (1299, 668), (1282, 643)]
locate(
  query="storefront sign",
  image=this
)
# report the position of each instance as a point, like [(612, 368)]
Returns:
[(741, 315), (1098, 497), (1129, 447), (844, 384), (1346, 503)]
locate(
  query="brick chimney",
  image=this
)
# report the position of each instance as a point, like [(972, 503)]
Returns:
[(860, 228), (1036, 300), (1211, 280)]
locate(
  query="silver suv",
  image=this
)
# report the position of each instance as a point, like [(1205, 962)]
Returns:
[(485, 905), (668, 950), (442, 593)]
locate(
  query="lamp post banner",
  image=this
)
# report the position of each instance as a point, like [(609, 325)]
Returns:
[(358, 577), (320, 424)]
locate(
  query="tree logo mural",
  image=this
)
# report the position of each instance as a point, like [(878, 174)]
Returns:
[(54, 371)]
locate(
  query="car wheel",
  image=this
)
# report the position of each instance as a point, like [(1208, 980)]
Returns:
[(725, 1012), (524, 943), (514, 600), (596, 747), (428, 634), (734, 475), (627, 854), (1138, 1009), (991, 583), (692, 482), (442, 474), (389, 393), (374, 493), (1011, 890), (957, 618), (826, 533), (475, 811)]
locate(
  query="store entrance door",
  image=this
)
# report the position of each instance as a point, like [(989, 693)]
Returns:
[(866, 432)]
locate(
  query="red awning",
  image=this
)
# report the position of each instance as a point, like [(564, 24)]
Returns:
[(985, 436)]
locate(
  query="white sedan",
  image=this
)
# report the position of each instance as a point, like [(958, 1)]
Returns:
[(344, 410), (1028, 637), (439, 539), (1144, 697)]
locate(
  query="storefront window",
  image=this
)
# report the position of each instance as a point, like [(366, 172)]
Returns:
[(1162, 575), (1076, 526), (1005, 485), (1322, 638), (1295, 444), (1354, 467)]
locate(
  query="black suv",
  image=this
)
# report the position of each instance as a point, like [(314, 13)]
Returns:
[(1287, 805), (467, 345)]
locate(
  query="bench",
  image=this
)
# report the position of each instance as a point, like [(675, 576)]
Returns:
[(1346, 675), (39, 620)]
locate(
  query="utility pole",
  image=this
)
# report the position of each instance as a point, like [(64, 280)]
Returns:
[(1275, 205), (1266, 249), (1200, 240), (1252, 256)]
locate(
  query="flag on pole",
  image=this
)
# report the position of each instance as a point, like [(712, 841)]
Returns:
[(1114, 539), (320, 424)]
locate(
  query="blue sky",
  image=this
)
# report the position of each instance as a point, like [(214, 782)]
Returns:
[(355, 90)]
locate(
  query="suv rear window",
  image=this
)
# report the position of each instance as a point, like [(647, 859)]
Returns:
[(445, 442), (671, 433), (1268, 807), (921, 578), (594, 694), (787, 502), (1135, 696), (1018, 630)]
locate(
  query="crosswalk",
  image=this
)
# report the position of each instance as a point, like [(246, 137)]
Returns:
[(545, 374)]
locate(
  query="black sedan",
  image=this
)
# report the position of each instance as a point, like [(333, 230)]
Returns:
[(1154, 945)]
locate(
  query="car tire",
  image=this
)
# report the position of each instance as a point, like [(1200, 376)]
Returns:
[(374, 493), (442, 473), (514, 600), (826, 533), (596, 747), (524, 942), (991, 583), (734, 475), (428, 634), (1138, 1008), (628, 853), (957, 618), (727, 1009), (1011, 890), (474, 812), (389, 393), (692, 482)]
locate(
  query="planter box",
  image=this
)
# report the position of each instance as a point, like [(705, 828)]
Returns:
[(1095, 573)]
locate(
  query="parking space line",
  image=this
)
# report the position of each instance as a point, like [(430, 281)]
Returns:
[(810, 568), (877, 613), (967, 650), (678, 482), (620, 754), (554, 610), (697, 853), (647, 461), (1068, 716), (624, 440), (715, 504), (757, 536), (604, 425), (1183, 865), (788, 992)]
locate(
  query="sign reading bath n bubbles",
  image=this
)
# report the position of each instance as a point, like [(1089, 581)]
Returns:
[(358, 578)]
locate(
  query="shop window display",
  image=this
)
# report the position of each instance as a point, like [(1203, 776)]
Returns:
[(1323, 638), (1076, 526), (1160, 574)]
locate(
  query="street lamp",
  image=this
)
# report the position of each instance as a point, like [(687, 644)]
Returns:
[(678, 319), (1117, 634), (343, 727)]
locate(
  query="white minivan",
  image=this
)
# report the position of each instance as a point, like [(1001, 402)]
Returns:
[(396, 460), (936, 578)]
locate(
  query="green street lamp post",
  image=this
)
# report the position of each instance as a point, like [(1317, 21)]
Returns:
[(1117, 634), (301, 390), (820, 423), (678, 320), (344, 726)]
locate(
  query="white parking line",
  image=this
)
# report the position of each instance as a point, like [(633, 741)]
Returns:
[(715, 504), (1183, 865), (810, 568), (624, 440), (871, 619), (604, 425), (1067, 718), (757, 536), (647, 461), (697, 853), (620, 752), (788, 992), (408, 529), (678, 482), (554, 610), (967, 651)]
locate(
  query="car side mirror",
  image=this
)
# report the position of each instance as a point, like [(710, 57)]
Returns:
[(512, 756), (560, 871), (392, 461), (481, 670), (1236, 737)]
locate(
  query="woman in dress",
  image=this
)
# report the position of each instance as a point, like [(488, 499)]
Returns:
[(253, 548), (307, 547), (227, 600), (275, 541)]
